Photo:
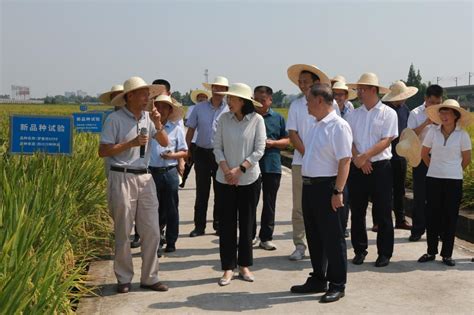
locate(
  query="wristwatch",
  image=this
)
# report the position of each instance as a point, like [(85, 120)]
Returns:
[(242, 169), (336, 192)]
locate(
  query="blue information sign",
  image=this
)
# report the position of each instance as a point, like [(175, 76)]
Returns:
[(83, 108), (48, 134), (88, 122)]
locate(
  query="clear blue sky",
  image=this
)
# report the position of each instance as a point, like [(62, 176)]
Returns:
[(58, 46)]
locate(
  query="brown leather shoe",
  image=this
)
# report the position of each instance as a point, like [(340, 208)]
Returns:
[(403, 226), (155, 287), (123, 287)]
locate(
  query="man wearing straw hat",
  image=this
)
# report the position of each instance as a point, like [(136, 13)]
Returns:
[(396, 99), (304, 76), (374, 126), (347, 106), (131, 191), (204, 119), (163, 164), (197, 96), (420, 123)]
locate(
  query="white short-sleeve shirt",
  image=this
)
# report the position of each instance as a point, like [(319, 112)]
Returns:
[(327, 141), (298, 120), (416, 118), (446, 155), (371, 126)]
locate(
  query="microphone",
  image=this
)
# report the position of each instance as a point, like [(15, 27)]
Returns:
[(143, 132)]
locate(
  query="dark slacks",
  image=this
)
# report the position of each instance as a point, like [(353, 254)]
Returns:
[(399, 173), (189, 166), (346, 208), (325, 234), (378, 187), (444, 198), (270, 186), (205, 167), (168, 201), (238, 204), (419, 199)]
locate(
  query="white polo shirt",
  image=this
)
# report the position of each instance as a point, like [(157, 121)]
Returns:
[(446, 155), (416, 118), (327, 141), (371, 126)]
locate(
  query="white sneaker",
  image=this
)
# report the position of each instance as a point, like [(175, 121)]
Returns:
[(255, 241), (298, 254), (268, 245)]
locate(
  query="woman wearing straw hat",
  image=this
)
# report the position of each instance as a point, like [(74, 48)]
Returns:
[(396, 99), (238, 146), (163, 164), (344, 96), (450, 147), (197, 96)]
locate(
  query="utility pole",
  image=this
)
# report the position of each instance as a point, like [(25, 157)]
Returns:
[(456, 79), (437, 80), (470, 75), (206, 75)]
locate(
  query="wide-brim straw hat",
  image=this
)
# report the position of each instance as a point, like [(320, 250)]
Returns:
[(219, 80), (371, 79), (178, 111), (136, 83), (338, 78), (433, 112), (195, 94), (338, 85), (399, 92), (105, 97), (409, 147), (294, 72), (241, 90)]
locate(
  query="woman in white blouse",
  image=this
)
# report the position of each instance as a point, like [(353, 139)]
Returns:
[(239, 144), (447, 152)]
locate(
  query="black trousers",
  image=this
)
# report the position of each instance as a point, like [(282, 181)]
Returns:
[(442, 213), (346, 208), (205, 167), (378, 187), (238, 204), (188, 167), (419, 199), (325, 234), (399, 174), (270, 186)]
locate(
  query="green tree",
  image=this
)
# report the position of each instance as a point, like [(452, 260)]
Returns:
[(414, 79), (278, 97)]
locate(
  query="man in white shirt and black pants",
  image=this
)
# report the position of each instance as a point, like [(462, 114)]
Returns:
[(325, 169), (374, 126)]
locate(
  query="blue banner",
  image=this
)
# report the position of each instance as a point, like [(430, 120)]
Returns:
[(88, 122), (83, 108), (48, 134)]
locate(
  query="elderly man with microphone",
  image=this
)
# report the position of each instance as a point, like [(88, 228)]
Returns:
[(131, 191)]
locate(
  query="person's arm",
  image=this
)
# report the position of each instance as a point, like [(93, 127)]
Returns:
[(418, 130), (425, 155), (160, 136), (343, 168), (466, 159), (106, 149), (279, 144), (466, 147), (258, 146), (296, 141)]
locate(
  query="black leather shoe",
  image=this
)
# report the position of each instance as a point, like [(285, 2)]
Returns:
[(312, 285), (195, 233), (359, 258), (170, 249), (448, 261), (426, 257), (382, 261), (123, 287), (332, 296), (136, 242), (414, 238)]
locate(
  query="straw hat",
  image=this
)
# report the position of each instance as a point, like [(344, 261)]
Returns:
[(195, 93), (136, 83), (409, 147), (241, 90), (338, 78), (369, 78), (399, 92), (295, 70), (222, 81), (433, 112), (178, 112), (105, 97), (338, 85)]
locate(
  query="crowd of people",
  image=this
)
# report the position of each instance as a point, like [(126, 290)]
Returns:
[(343, 158)]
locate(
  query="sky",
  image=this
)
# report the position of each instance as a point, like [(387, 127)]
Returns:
[(58, 46)]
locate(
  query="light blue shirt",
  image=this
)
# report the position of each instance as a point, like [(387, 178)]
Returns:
[(204, 120), (177, 142)]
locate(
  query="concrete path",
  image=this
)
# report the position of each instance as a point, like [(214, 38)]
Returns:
[(192, 272)]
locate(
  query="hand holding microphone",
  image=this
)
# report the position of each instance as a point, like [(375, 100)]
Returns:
[(143, 139)]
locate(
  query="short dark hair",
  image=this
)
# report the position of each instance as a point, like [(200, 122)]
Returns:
[(313, 75), (266, 89), (163, 82), (248, 107), (434, 90), (456, 113), (324, 91)]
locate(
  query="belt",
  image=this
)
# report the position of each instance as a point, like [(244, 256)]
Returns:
[(161, 170), (204, 149), (129, 170), (380, 162), (317, 180)]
